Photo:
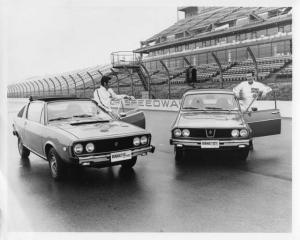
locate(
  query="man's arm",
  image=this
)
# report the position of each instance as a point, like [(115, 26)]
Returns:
[(264, 89), (99, 100), (117, 96)]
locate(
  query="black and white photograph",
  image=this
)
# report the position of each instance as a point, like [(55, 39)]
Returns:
[(124, 119)]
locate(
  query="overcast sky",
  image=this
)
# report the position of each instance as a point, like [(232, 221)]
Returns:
[(53, 36), (66, 35)]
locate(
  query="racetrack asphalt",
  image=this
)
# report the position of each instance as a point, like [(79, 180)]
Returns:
[(207, 194)]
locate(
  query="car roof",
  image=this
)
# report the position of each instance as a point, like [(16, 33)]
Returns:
[(56, 98), (214, 90)]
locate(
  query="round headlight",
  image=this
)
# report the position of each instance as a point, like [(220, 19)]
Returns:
[(185, 132), (144, 140), (136, 141), (78, 148), (90, 147), (244, 133), (235, 133), (177, 132)]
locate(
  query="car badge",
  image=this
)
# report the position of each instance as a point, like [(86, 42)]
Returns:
[(116, 144), (210, 133)]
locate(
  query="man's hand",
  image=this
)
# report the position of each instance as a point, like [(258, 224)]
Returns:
[(257, 95), (129, 97)]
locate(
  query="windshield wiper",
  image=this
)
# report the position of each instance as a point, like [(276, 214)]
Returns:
[(191, 108), (214, 108), (83, 115), (58, 118)]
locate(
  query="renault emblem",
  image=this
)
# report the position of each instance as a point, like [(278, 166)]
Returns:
[(210, 133)]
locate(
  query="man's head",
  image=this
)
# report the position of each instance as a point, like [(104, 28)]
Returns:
[(250, 77), (104, 81)]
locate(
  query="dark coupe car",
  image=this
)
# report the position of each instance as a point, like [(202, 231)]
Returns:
[(76, 131), (212, 120)]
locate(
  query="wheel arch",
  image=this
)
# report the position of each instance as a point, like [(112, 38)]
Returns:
[(48, 146)]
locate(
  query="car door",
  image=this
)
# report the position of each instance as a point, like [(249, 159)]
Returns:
[(34, 127), (130, 113), (135, 117), (264, 122)]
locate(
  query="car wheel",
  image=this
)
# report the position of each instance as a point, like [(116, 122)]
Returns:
[(251, 145), (24, 152), (179, 154), (129, 163), (242, 155), (57, 166)]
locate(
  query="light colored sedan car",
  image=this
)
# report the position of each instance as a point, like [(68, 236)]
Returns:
[(76, 131), (212, 120)]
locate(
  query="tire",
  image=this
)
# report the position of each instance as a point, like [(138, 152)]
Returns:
[(251, 145), (242, 155), (129, 163), (179, 154), (56, 165), (23, 151)]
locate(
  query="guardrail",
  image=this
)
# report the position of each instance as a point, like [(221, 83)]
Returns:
[(80, 83)]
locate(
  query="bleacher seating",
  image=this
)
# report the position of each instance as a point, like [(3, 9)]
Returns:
[(203, 22), (286, 71), (265, 66)]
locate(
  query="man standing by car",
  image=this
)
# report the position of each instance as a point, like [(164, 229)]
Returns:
[(103, 95), (250, 90)]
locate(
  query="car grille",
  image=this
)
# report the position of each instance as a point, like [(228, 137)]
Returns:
[(114, 144), (210, 133), (110, 145)]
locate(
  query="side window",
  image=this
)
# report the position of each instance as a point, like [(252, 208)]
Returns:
[(34, 111), (21, 112), (42, 121)]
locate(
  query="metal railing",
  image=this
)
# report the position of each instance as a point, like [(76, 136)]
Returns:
[(158, 82), (81, 83)]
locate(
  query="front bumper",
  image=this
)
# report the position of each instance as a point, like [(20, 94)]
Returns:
[(104, 159), (223, 144)]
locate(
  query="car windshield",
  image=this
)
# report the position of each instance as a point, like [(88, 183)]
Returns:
[(75, 109), (210, 101)]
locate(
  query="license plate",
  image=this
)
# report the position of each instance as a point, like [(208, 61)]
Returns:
[(120, 156), (210, 144)]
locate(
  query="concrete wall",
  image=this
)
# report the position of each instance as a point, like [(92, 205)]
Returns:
[(285, 107)]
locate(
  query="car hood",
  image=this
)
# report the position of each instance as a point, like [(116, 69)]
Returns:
[(210, 120), (86, 130)]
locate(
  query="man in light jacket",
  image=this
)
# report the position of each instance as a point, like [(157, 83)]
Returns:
[(103, 95), (249, 90)]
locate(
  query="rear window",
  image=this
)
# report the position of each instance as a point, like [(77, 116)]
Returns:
[(21, 112), (35, 111)]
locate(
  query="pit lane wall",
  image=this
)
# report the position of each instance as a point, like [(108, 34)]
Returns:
[(171, 105)]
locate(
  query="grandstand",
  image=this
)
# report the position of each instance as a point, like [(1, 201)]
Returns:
[(159, 65), (228, 32)]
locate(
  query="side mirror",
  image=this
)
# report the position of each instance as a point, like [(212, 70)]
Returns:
[(122, 114), (254, 109)]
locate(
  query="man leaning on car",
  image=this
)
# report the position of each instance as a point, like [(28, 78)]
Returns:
[(248, 91), (103, 95)]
